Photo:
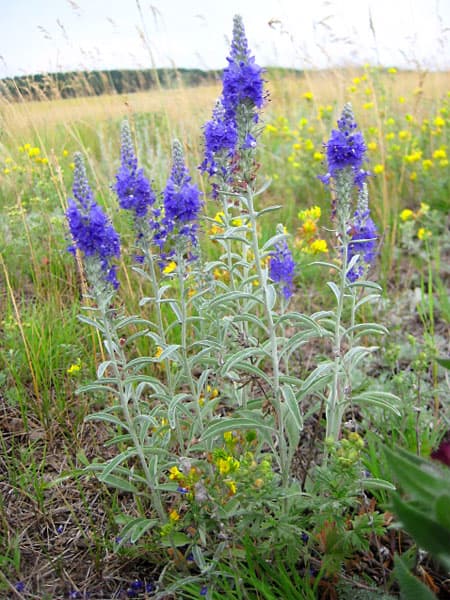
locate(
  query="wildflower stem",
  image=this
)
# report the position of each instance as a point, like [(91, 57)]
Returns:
[(149, 259), (276, 390), (125, 394), (181, 271)]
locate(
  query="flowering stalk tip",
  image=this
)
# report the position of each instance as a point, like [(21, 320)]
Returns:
[(92, 233)]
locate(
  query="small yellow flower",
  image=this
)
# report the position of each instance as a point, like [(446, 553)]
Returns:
[(65, 153), (439, 122), (174, 516), (401, 99), (309, 145), (170, 268), (390, 135), (318, 156), (309, 227), (356, 80), (427, 164), (424, 208), (440, 153), (270, 128), (404, 135), (442, 163), (228, 436), (413, 176), (75, 368), (227, 465), (423, 234), (407, 214), (310, 213), (372, 146), (175, 473), (392, 70), (378, 169), (318, 246), (415, 156), (158, 352), (213, 392), (34, 152), (232, 486), (6, 171), (308, 96), (72, 165), (367, 105)]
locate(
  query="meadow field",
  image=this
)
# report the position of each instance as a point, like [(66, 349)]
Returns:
[(332, 525)]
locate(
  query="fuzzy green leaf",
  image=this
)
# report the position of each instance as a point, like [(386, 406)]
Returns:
[(410, 587)]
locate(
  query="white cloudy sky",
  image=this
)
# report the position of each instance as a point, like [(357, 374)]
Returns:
[(49, 35)]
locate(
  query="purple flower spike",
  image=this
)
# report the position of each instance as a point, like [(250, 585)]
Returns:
[(364, 237), (282, 268), (242, 79), (132, 187), (182, 199), (346, 149), (91, 229)]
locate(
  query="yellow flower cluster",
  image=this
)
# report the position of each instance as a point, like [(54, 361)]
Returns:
[(307, 240)]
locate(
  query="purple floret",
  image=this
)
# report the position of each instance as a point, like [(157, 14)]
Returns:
[(282, 268), (364, 237)]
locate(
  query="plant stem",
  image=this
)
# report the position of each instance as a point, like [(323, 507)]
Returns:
[(125, 393), (276, 390)]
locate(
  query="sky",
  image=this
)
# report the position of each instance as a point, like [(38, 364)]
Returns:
[(58, 35)]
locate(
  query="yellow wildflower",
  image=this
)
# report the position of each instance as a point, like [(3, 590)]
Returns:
[(407, 214), (310, 213), (296, 146), (415, 156), (442, 163), (318, 246), (413, 176), (232, 486), (270, 128), (309, 227), (158, 352), (401, 99), (75, 368), (175, 473), (377, 169), (440, 153), (367, 105), (424, 208), (6, 171), (392, 70), (174, 516), (372, 146), (308, 96), (427, 164), (439, 122), (318, 156), (309, 145), (390, 135), (404, 135), (170, 267), (423, 234), (65, 153), (34, 152), (227, 465)]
